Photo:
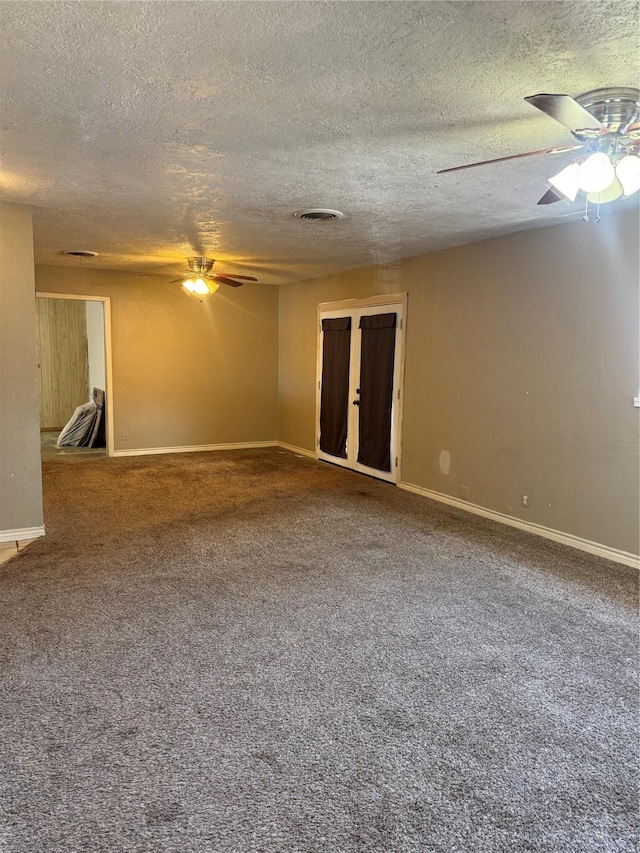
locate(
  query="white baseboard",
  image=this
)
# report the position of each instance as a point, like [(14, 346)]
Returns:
[(299, 450), (194, 448), (614, 554), (21, 533)]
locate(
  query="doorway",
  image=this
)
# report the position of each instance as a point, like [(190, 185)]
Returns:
[(359, 387), (74, 357)]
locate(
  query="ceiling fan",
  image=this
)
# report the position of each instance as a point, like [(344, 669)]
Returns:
[(198, 280), (606, 125)]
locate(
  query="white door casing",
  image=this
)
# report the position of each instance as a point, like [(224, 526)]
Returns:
[(106, 302)]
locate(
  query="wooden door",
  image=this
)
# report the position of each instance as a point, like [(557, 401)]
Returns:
[(376, 371), (62, 359), (359, 388)]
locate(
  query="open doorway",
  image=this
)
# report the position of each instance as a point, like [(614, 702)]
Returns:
[(74, 361)]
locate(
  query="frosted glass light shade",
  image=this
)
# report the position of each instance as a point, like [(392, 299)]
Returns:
[(596, 173), (566, 181), (612, 192), (200, 287), (628, 173)]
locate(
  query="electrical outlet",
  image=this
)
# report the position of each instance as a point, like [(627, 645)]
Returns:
[(125, 435), (526, 501)]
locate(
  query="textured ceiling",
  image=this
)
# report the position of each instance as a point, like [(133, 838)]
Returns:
[(149, 131)]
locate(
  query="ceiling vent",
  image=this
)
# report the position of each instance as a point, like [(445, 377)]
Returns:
[(80, 253), (318, 214)]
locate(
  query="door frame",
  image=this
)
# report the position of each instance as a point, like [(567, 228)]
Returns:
[(108, 391), (351, 305)]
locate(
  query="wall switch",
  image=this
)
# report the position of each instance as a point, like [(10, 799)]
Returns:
[(125, 435), (465, 492), (526, 501)]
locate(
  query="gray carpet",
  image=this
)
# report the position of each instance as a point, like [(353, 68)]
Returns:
[(251, 651)]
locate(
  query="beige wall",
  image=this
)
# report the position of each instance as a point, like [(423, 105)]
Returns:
[(184, 372), (521, 362), (20, 478)]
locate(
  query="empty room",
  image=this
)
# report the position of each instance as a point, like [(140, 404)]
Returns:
[(319, 402)]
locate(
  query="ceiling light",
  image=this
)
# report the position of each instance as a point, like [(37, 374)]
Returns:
[(598, 170), (200, 287), (628, 173), (566, 181), (596, 173), (612, 192)]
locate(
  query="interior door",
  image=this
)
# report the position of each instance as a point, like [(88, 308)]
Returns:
[(359, 387), (62, 359)]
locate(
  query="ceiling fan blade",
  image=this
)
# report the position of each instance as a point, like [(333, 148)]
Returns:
[(567, 111), (243, 277), (560, 150), (224, 280), (550, 197), (179, 280)]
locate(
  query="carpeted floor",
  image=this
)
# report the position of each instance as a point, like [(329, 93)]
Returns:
[(251, 651)]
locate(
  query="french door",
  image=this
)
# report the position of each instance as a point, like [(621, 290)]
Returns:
[(360, 371)]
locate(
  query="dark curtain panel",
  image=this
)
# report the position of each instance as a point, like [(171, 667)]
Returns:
[(376, 390), (334, 397)]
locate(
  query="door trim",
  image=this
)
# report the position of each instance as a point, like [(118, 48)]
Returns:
[(368, 302), (106, 302), (353, 304)]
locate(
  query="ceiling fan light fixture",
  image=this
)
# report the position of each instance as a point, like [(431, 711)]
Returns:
[(605, 123), (628, 173), (596, 173), (612, 192), (199, 281), (566, 181)]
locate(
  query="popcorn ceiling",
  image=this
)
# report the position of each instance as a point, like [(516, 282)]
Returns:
[(153, 131)]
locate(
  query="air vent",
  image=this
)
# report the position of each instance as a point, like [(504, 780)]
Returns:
[(80, 253), (318, 214)]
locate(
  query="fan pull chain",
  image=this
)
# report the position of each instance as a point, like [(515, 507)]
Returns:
[(586, 210), (598, 217)]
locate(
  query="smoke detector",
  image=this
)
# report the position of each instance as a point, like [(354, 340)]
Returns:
[(80, 253), (318, 214)]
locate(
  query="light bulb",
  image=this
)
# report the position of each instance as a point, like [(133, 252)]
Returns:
[(200, 287), (612, 192), (596, 173), (566, 181), (628, 173), (188, 285)]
